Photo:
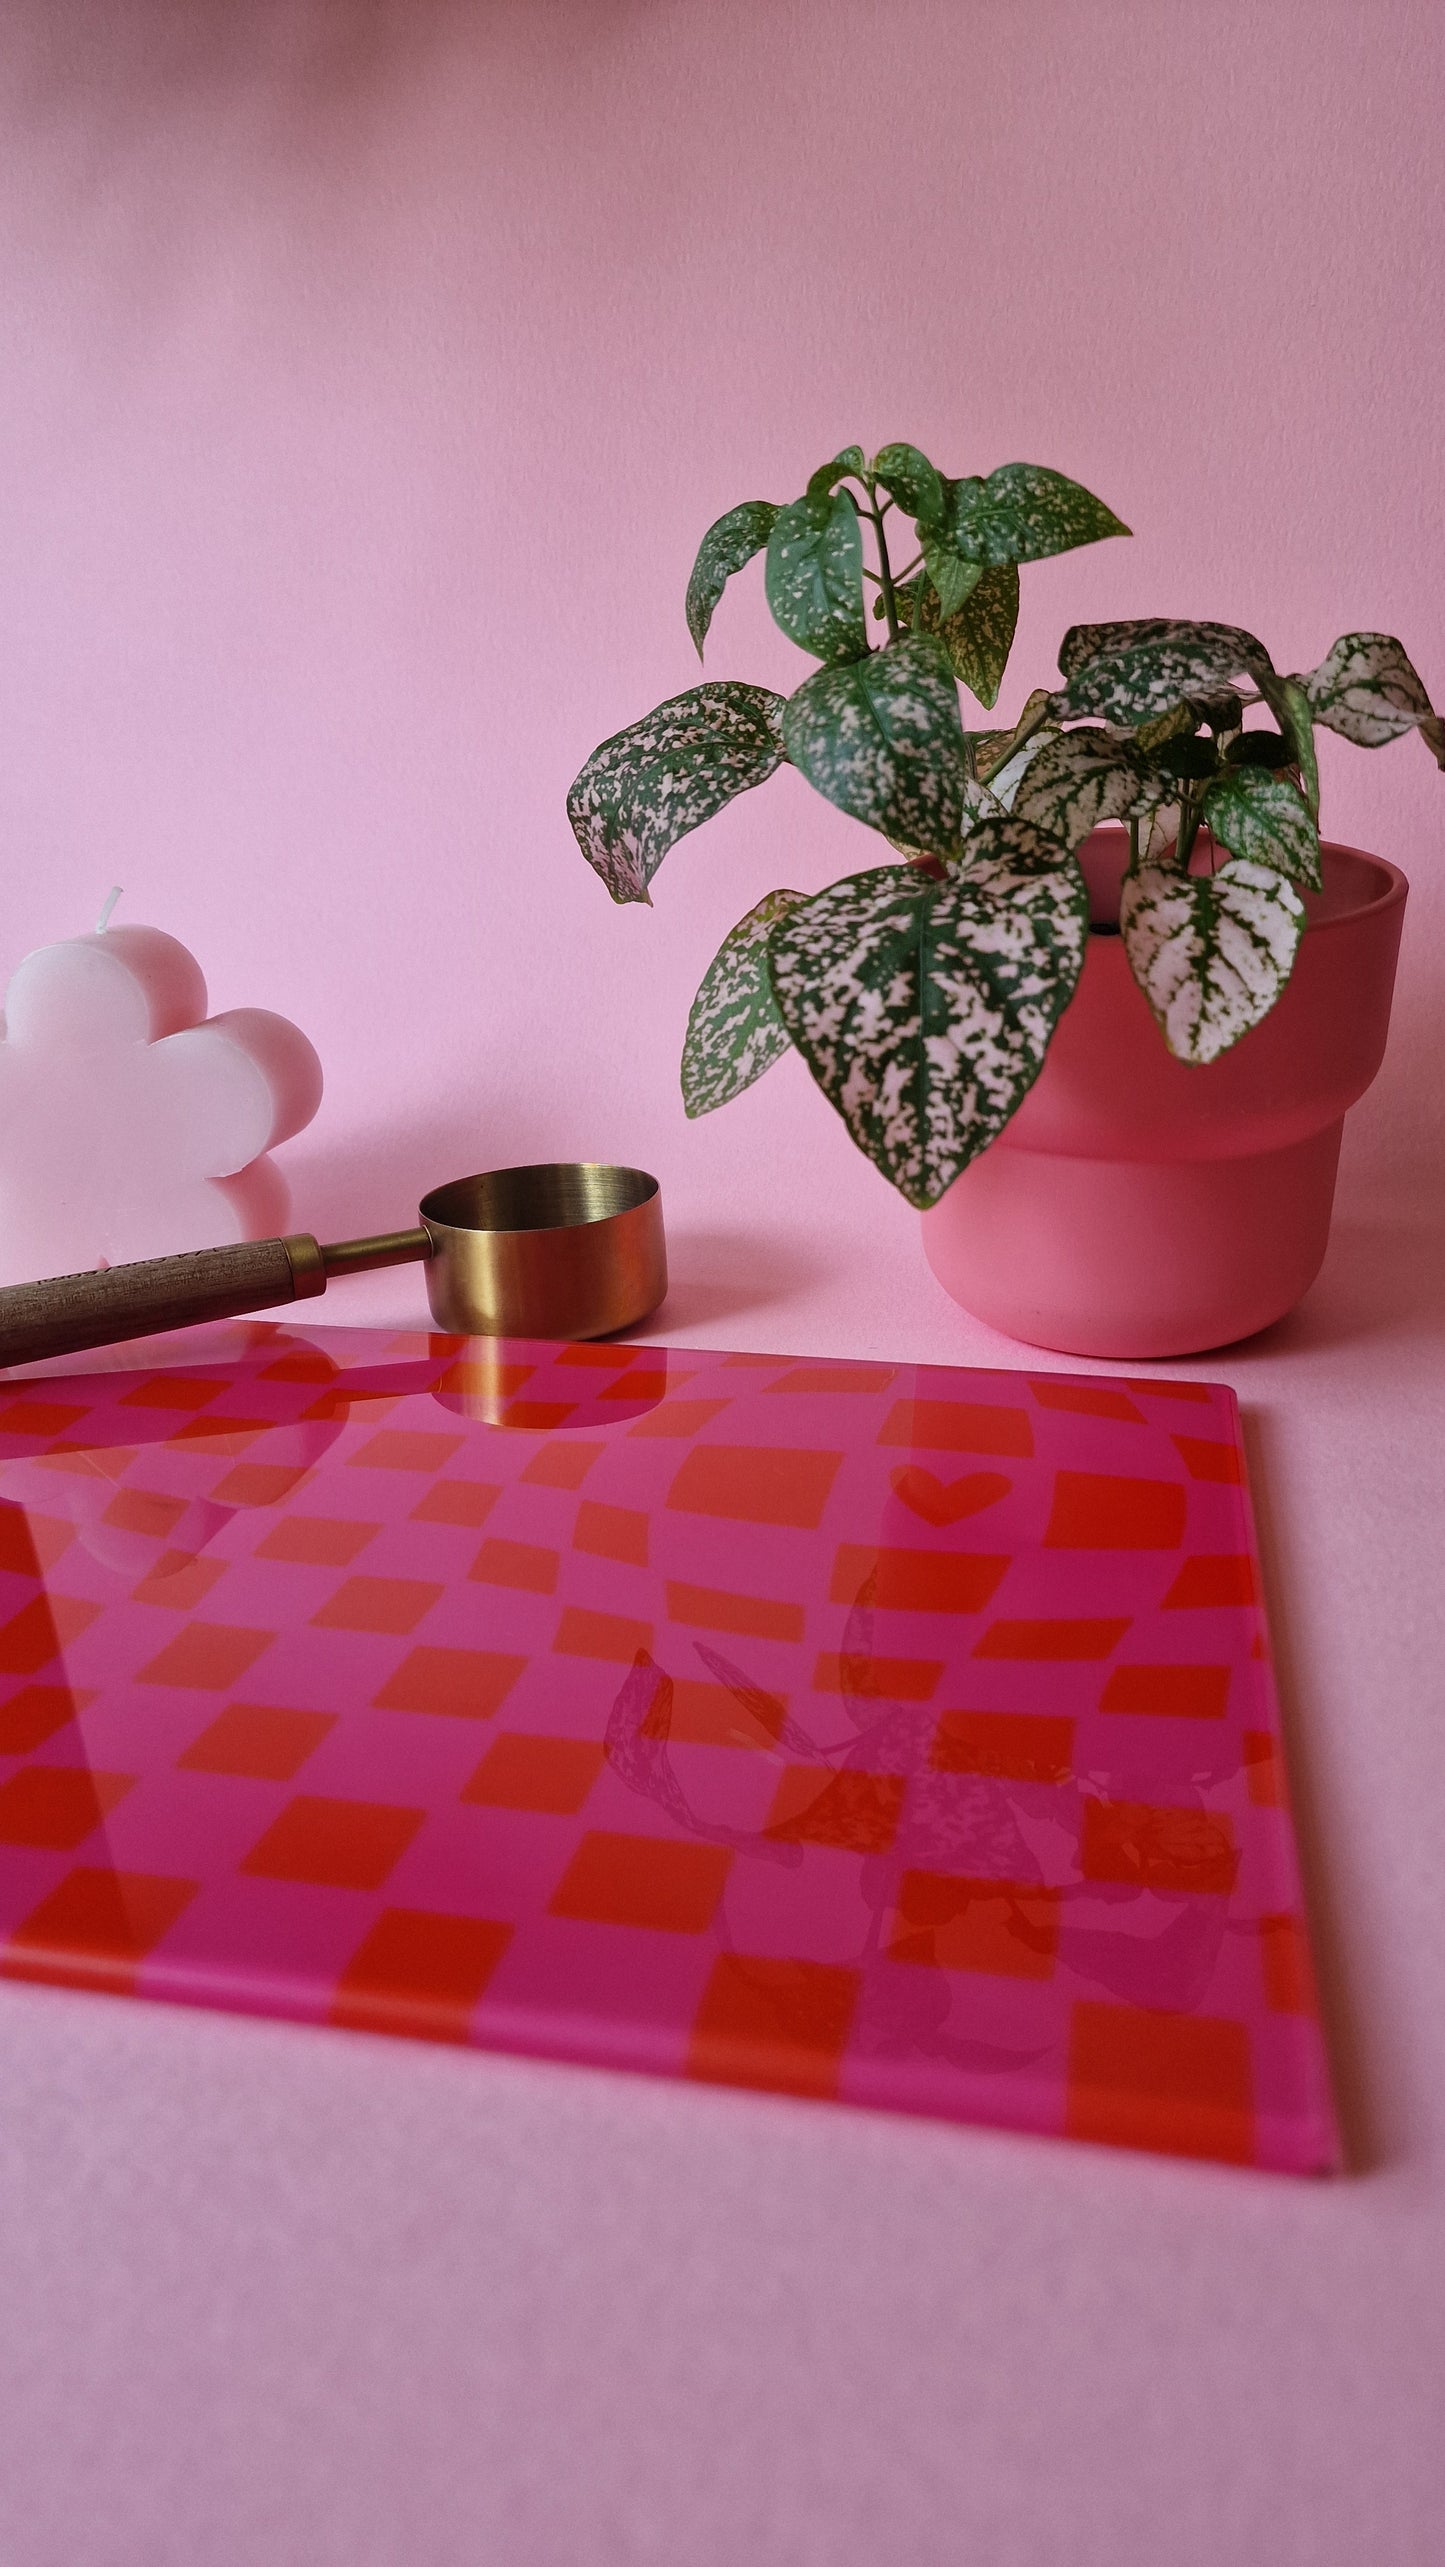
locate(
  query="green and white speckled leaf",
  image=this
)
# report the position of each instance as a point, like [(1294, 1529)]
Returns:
[(1366, 689), (726, 547), (979, 637), (1262, 816), (1289, 701), (911, 480), (815, 577), (1077, 781), (954, 580), (647, 786), (734, 1031), (1433, 735), (1126, 673), (1211, 952), (924, 1009), (881, 738), (822, 482), (1024, 513)]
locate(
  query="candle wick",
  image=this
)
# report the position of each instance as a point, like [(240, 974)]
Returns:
[(103, 921)]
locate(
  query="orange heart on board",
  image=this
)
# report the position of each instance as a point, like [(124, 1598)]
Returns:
[(949, 1501)]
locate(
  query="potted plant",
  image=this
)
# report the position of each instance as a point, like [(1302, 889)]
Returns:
[(1122, 1205)]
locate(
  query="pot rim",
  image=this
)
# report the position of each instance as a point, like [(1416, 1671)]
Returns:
[(1391, 885)]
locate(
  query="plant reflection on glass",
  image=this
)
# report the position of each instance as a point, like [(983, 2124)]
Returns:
[(923, 993)]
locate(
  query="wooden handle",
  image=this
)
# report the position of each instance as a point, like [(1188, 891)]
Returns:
[(69, 1312)]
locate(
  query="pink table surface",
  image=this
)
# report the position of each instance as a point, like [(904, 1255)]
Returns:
[(276, 2294)]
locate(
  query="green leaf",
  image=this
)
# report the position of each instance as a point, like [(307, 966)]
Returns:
[(1186, 756), (1261, 749), (1075, 783), (924, 1009), (647, 786), (1023, 513), (1211, 952), (726, 547), (911, 480), (1127, 673), (1366, 689), (1290, 705), (881, 738), (954, 579), (734, 1031), (979, 637), (821, 482), (815, 577), (1263, 818)]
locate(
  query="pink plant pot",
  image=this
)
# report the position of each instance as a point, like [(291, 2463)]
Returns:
[(1138, 1207)]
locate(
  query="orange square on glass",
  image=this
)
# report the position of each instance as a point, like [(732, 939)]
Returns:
[(377, 1604), (1103, 1511), (779, 2025), (902, 1581), (36, 1713), (402, 1449), (179, 1581), (756, 1483), (460, 1684), (957, 1426), (1052, 1636), (1005, 1929), (467, 1502), (94, 1927), (655, 1881), (1263, 1772), (1178, 2083), (1021, 1746), (207, 1655), (338, 1844), (765, 1617), (581, 1633), (260, 1483), (612, 1532), (1085, 1399), (57, 1805), (528, 1565), (172, 1390), (814, 1805), (419, 1973), (317, 1541), (1204, 1459), (704, 1715), (141, 1511), (259, 1739), (1158, 1848), (891, 1679), (1214, 1578), (40, 1630), (1168, 1693), (562, 1466), (520, 1771), (1285, 1961)]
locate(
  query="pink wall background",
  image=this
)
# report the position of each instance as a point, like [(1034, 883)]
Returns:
[(372, 371), (369, 373)]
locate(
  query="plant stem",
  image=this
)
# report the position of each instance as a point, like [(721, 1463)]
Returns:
[(885, 567)]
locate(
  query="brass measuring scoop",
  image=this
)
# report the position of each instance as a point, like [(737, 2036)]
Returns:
[(570, 1249)]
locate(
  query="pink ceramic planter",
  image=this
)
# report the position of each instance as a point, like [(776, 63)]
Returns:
[(1138, 1207)]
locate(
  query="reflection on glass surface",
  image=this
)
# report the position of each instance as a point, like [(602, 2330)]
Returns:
[(885, 1733)]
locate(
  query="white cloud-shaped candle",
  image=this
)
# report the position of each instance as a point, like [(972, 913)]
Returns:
[(131, 1124)]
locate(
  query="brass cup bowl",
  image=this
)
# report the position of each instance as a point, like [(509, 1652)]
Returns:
[(567, 1249)]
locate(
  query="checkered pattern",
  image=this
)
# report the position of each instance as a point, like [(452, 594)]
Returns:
[(885, 1733)]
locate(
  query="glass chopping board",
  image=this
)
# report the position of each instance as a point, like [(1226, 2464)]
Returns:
[(880, 1733)]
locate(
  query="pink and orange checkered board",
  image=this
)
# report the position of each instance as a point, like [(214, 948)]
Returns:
[(868, 1731)]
